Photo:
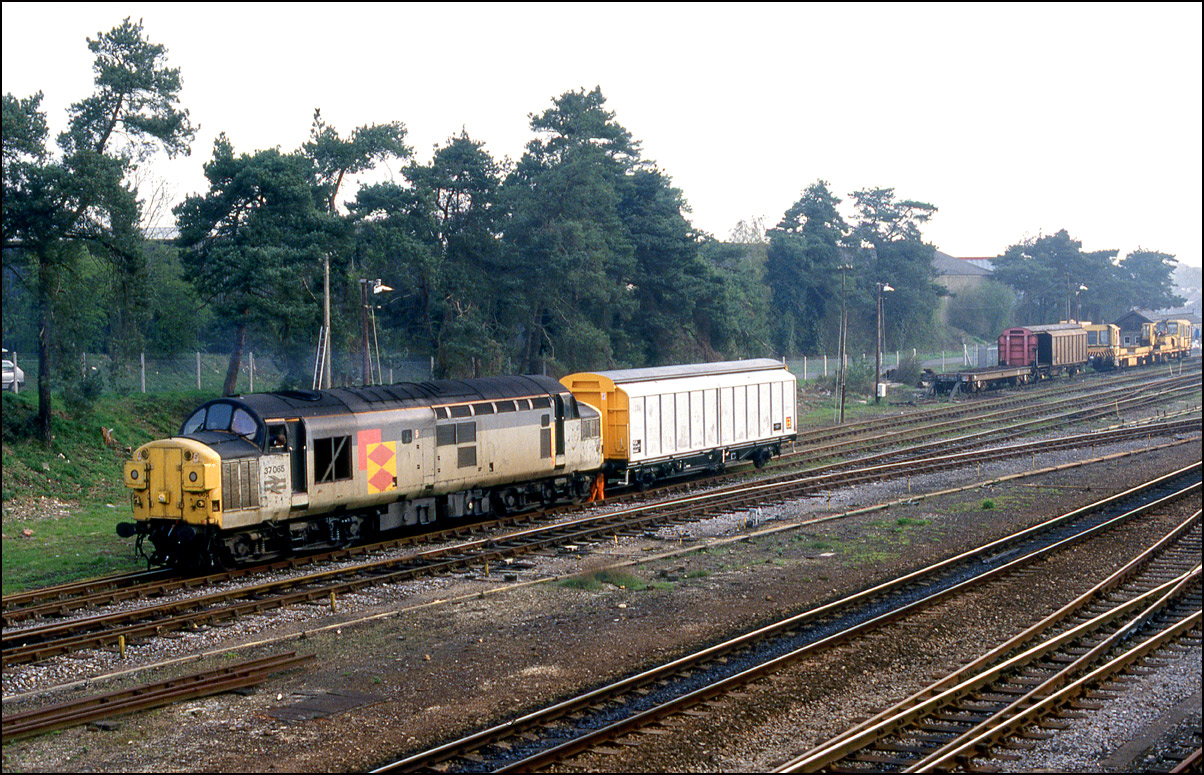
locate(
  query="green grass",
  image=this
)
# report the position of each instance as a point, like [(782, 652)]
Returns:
[(595, 580), (80, 476)]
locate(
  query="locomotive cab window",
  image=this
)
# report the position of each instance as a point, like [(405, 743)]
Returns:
[(277, 437), (407, 436), (243, 424), (194, 423), (225, 418), (332, 459)]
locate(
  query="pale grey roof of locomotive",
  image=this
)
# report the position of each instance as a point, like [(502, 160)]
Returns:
[(622, 376), (310, 403)]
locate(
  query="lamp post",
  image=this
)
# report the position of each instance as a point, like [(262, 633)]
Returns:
[(878, 345), (377, 287)]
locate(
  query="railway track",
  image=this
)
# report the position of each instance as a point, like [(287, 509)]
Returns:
[(117, 629), (147, 696), (961, 715), (1129, 391), (21, 645), (582, 723)]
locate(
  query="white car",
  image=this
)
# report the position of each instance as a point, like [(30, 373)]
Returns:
[(14, 377)]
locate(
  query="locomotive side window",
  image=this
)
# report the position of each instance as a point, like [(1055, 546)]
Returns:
[(332, 459), (460, 433), (407, 436), (277, 438)]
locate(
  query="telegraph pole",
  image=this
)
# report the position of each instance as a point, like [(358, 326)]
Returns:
[(844, 332), (326, 320), (364, 326)]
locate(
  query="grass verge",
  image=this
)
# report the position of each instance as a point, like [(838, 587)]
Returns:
[(62, 502)]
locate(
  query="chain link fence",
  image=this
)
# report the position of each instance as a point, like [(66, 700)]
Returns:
[(260, 371), (206, 372)]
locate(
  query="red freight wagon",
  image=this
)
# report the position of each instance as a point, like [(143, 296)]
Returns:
[(1048, 349)]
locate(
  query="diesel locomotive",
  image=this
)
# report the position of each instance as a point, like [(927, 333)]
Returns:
[(270, 474)]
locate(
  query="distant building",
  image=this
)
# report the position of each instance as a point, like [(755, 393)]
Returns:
[(1132, 320), (161, 233), (958, 275)]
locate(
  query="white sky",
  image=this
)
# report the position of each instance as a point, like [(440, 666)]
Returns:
[(1014, 120)]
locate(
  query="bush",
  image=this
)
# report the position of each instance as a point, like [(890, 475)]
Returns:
[(908, 371), (80, 394)]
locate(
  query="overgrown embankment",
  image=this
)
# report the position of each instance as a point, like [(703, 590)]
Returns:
[(61, 503)]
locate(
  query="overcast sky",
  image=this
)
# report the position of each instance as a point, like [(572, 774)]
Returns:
[(1014, 120)]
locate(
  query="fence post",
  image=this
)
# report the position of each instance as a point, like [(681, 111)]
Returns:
[(804, 368), (825, 364), (198, 370), (252, 370), (142, 361)]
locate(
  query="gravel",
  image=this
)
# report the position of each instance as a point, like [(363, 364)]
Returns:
[(445, 656)]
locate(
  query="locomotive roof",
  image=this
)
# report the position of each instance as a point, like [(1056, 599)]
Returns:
[(622, 376), (399, 395)]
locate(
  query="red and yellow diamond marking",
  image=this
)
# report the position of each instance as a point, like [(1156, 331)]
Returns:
[(382, 466)]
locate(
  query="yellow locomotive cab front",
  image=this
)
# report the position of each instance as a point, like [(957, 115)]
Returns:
[(175, 479)]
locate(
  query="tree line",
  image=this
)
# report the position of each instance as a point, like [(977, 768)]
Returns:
[(579, 255)]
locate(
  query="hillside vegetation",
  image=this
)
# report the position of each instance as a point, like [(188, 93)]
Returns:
[(60, 504)]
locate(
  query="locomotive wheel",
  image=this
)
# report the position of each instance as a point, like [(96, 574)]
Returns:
[(506, 501)]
